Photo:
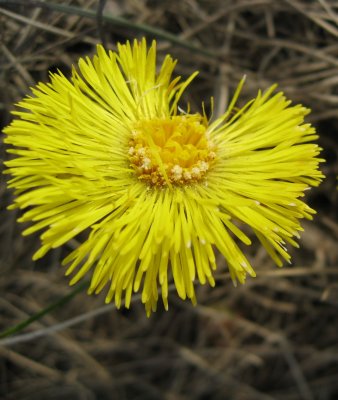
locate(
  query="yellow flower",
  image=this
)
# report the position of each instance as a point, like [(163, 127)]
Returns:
[(152, 190)]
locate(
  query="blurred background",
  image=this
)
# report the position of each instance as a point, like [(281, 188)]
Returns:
[(276, 337)]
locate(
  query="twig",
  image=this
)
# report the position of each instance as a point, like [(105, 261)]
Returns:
[(60, 302), (26, 337)]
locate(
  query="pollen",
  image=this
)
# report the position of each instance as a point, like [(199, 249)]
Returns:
[(173, 150)]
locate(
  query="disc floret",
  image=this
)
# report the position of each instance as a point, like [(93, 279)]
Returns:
[(174, 150)]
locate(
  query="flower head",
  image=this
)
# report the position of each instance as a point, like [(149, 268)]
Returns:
[(108, 154)]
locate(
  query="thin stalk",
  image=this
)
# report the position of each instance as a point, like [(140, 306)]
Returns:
[(117, 21), (58, 303)]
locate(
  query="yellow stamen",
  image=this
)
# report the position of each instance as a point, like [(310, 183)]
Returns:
[(173, 150)]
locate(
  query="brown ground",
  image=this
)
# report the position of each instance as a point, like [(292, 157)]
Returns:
[(274, 338)]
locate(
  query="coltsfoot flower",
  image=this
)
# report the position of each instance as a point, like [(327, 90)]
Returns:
[(109, 154)]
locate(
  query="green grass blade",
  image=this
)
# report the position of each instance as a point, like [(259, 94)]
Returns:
[(118, 21), (58, 303)]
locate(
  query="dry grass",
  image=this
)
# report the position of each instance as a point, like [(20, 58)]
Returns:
[(274, 338)]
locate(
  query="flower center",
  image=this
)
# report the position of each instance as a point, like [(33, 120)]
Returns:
[(175, 150)]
